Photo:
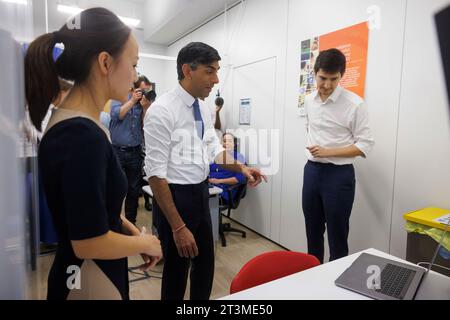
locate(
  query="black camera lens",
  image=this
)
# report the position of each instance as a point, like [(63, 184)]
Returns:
[(150, 95)]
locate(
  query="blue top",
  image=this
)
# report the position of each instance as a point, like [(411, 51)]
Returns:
[(105, 119), (217, 172), (126, 132)]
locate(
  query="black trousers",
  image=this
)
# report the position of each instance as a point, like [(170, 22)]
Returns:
[(192, 203), (131, 162), (328, 195)]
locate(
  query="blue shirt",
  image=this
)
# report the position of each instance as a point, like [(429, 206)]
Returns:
[(217, 172), (105, 119), (126, 132)]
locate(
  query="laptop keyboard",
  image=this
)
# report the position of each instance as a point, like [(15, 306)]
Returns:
[(394, 279)]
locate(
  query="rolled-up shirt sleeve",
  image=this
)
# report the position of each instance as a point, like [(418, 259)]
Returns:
[(115, 110), (362, 134), (158, 127)]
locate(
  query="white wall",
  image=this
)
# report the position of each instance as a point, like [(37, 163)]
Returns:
[(401, 174), (154, 69), (257, 81), (422, 176)]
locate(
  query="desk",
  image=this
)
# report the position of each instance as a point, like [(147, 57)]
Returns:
[(318, 284), (213, 207)]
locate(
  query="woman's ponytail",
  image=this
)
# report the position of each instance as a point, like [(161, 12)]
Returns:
[(41, 77)]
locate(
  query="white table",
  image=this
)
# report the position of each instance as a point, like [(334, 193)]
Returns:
[(214, 194), (318, 284)]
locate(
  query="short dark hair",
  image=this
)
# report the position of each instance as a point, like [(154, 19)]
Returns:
[(220, 102), (196, 53), (331, 61), (141, 79)]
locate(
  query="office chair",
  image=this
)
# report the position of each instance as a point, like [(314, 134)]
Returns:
[(270, 266), (233, 203)]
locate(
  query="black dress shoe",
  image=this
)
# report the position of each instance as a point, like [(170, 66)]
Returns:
[(148, 206)]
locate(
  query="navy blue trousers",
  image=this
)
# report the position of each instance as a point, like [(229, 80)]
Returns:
[(192, 203), (131, 162), (328, 195)]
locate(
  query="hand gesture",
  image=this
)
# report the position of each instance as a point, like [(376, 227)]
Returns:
[(254, 176), (318, 152)]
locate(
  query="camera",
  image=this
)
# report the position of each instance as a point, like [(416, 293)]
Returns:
[(149, 94)]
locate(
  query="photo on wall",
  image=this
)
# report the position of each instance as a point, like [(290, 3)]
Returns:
[(353, 42)]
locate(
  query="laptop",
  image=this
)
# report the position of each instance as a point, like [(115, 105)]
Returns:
[(385, 279)]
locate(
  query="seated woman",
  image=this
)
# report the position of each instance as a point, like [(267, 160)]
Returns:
[(224, 178)]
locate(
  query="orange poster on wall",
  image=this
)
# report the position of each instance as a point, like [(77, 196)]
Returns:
[(353, 42)]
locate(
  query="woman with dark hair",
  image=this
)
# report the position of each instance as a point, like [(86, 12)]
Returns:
[(82, 178), (224, 178)]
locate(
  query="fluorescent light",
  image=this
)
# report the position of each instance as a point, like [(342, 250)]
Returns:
[(75, 10), (130, 21), (156, 56), (68, 9), (25, 2)]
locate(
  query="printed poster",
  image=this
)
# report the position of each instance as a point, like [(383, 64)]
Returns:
[(353, 42)]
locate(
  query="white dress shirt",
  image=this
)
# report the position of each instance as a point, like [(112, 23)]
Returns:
[(174, 151), (341, 121)]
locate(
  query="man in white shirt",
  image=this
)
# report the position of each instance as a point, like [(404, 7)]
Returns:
[(180, 144), (337, 133)]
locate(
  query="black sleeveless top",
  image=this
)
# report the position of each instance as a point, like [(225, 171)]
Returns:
[(85, 188)]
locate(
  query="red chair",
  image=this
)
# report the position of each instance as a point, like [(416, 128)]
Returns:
[(270, 266)]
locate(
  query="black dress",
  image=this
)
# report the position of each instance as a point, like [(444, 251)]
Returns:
[(85, 188)]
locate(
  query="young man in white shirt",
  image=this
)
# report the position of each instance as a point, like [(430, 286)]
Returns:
[(180, 144), (337, 133)]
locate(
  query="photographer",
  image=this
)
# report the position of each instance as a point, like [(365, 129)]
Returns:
[(127, 138), (147, 99)]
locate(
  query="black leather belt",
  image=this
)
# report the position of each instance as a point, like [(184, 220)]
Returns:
[(127, 149)]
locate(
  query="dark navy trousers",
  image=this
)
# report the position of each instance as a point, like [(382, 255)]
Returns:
[(131, 161), (328, 195), (192, 203)]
